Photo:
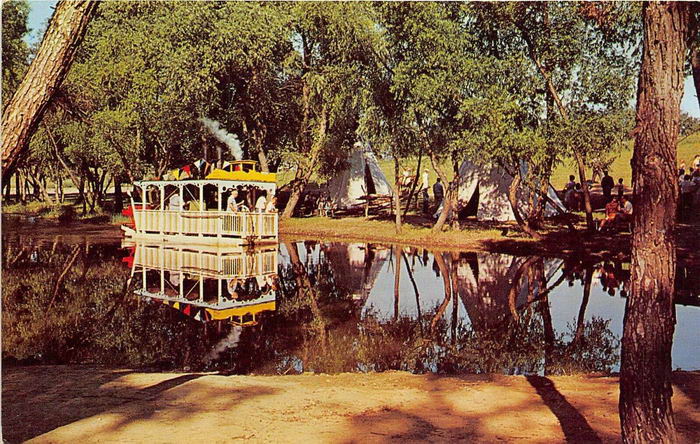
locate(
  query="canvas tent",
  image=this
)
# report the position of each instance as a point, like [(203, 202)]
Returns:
[(485, 189), (361, 177)]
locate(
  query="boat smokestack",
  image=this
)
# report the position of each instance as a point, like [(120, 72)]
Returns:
[(223, 136)]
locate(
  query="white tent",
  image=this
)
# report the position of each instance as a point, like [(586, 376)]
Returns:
[(489, 184), (361, 177)]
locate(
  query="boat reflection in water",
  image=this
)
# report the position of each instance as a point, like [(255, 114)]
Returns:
[(233, 284)]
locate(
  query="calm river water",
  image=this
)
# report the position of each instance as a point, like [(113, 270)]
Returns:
[(320, 307)]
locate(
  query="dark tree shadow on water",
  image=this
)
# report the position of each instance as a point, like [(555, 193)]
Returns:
[(573, 424)]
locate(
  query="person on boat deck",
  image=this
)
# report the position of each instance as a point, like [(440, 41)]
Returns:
[(261, 204), (271, 206), (232, 204), (175, 203), (234, 288)]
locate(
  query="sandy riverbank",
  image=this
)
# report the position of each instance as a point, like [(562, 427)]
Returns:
[(87, 404)]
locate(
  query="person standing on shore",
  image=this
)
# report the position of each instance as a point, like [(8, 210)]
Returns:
[(620, 187), (425, 185), (607, 183), (438, 192)]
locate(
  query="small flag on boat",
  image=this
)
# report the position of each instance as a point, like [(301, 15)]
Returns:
[(175, 174), (199, 164), (226, 164), (185, 172)]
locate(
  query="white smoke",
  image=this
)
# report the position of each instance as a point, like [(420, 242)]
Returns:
[(223, 136), (228, 342)]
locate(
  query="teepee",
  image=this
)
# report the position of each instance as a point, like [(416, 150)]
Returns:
[(361, 177), (486, 188)]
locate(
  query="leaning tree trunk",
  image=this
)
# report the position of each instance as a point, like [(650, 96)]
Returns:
[(645, 373), (48, 69), (448, 197), (513, 199)]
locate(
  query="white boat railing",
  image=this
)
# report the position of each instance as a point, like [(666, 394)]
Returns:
[(206, 223), (240, 264)]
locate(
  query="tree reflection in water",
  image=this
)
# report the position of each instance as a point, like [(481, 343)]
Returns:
[(481, 313)]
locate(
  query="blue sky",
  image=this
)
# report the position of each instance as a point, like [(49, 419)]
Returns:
[(41, 10)]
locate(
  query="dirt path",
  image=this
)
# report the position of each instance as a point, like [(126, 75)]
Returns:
[(86, 404)]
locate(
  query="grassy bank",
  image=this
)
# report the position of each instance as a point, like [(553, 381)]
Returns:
[(358, 228), (501, 237), (64, 212)]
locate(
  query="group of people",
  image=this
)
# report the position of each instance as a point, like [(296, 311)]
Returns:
[(406, 181), (263, 204), (239, 200), (573, 196), (689, 183), (618, 209)]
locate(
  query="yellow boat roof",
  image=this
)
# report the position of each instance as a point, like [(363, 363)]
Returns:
[(243, 176)]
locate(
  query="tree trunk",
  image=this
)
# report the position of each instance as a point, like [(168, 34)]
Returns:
[(48, 69), (41, 185), (413, 187), (262, 158), (307, 166), (447, 198), (513, 199), (59, 188), (397, 280), (581, 321), (118, 202), (397, 195), (17, 187), (295, 195), (8, 190), (447, 282), (565, 115), (586, 193), (645, 373), (22, 187)]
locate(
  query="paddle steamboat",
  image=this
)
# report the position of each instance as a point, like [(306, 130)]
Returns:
[(229, 206)]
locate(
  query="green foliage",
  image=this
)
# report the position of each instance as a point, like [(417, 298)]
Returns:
[(15, 51), (299, 83), (572, 69)]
